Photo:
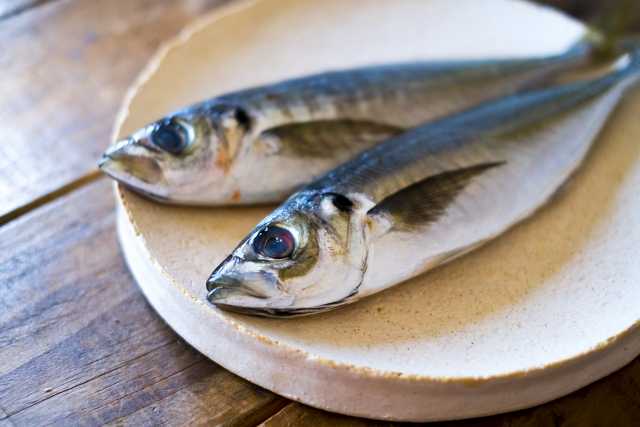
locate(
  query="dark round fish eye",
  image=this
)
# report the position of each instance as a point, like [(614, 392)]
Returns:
[(171, 136), (274, 242)]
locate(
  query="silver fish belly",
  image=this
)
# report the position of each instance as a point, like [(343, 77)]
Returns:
[(259, 145), (417, 200)]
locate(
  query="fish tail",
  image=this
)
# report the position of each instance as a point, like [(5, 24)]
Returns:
[(601, 46), (626, 73), (634, 60), (632, 66), (609, 30), (608, 48), (602, 43), (596, 46)]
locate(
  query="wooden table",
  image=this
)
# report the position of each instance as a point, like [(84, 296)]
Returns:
[(79, 345)]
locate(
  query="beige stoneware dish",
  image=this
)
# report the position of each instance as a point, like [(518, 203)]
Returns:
[(547, 308)]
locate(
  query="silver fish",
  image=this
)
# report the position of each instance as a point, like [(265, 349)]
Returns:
[(261, 144), (417, 200)]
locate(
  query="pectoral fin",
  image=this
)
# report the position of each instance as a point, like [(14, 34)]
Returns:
[(427, 200), (328, 138)]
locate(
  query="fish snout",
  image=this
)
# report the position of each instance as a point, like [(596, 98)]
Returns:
[(130, 163), (244, 292), (222, 286)]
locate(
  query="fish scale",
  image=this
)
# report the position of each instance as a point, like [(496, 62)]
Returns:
[(420, 199), (371, 85), (512, 113), (246, 146)]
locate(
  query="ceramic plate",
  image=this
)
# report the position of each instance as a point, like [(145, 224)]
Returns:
[(547, 308)]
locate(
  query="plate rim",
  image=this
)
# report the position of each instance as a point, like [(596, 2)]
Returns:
[(621, 348), (599, 351)]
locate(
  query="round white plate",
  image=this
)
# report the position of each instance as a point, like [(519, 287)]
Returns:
[(547, 308)]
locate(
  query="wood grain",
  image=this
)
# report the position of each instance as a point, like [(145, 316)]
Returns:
[(612, 401), (65, 68), (78, 343)]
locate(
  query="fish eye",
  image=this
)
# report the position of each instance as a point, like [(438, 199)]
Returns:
[(274, 242), (172, 136)]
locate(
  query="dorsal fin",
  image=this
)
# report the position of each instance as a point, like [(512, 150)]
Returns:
[(329, 138), (425, 201)]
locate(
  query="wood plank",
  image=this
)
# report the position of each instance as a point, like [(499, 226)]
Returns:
[(79, 344), (612, 401), (65, 68)]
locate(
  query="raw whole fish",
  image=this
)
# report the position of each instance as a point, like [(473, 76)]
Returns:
[(261, 144), (417, 200)]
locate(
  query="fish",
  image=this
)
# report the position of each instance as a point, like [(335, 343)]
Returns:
[(259, 145), (417, 200)]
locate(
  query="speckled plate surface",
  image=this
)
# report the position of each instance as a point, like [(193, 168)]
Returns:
[(549, 307)]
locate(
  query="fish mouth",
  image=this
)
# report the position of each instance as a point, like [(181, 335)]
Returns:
[(233, 295), (275, 313), (136, 170), (223, 289), (240, 296)]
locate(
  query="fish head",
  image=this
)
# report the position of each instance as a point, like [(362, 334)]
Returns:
[(181, 156), (308, 256)]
